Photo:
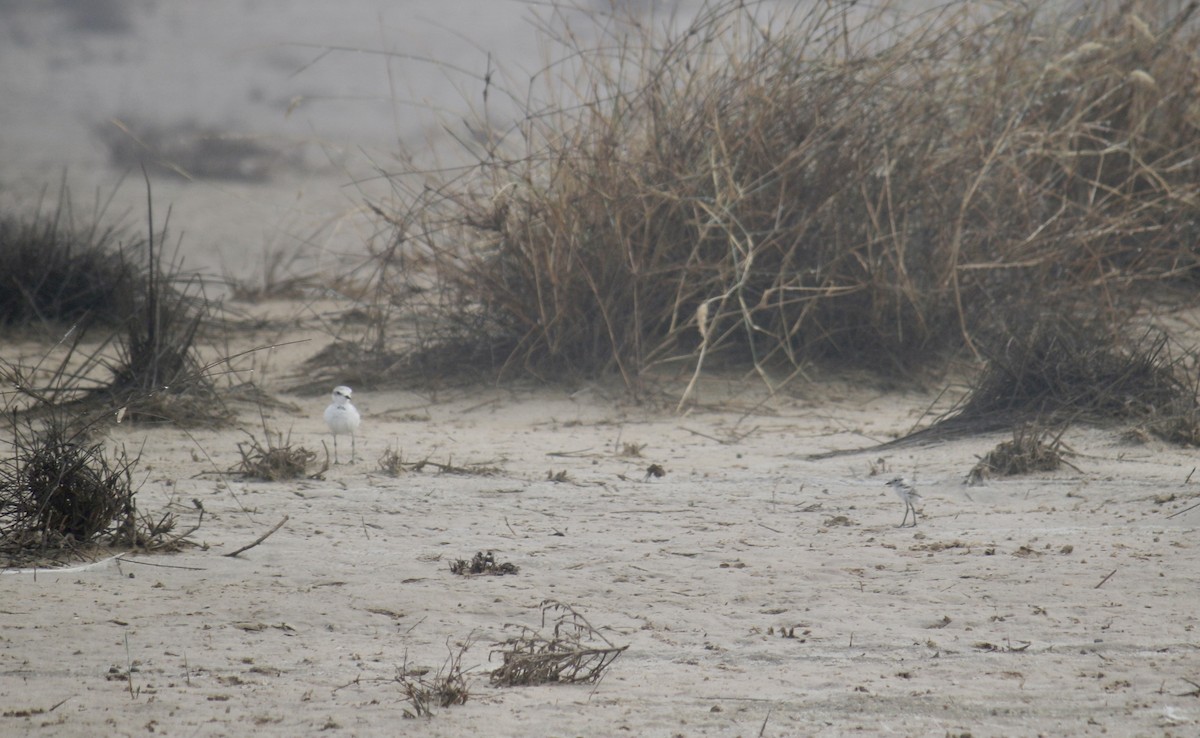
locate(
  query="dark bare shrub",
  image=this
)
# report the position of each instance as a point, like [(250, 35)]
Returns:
[(62, 493)]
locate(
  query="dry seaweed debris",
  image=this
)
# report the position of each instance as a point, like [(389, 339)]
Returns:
[(844, 183), (278, 461), (61, 492), (1031, 449), (392, 463), (575, 652), (482, 563)]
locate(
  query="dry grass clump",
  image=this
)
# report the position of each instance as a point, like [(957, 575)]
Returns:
[(146, 366), (839, 183), (60, 492), (158, 374), (573, 653), (1062, 370), (278, 461), (446, 688), (53, 273), (1032, 449)]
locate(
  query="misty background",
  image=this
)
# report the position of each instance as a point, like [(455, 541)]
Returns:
[(266, 124)]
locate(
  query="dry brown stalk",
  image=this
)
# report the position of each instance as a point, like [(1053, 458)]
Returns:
[(260, 539), (447, 687), (571, 654)]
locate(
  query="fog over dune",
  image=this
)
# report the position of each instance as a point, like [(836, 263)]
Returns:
[(262, 121)]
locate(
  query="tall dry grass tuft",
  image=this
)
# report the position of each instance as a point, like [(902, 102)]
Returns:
[(145, 364), (837, 184), (54, 272)]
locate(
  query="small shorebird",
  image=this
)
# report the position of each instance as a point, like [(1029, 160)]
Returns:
[(905, 491), (342, 418)]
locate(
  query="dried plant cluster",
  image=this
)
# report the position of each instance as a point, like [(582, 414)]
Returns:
[(574, 652), (1060, 370), (841, 184), (1032, 449), (60, 486), (483, 563), (60, 492), (446, 688), (278, 461)]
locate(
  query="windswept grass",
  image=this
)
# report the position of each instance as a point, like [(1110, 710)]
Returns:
[(839, 184), (131, 348), (54, 273)]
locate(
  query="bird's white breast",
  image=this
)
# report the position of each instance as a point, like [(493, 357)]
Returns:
[(342, 418)]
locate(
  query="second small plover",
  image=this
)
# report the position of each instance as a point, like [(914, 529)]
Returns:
[(906, 491), (342, 418)]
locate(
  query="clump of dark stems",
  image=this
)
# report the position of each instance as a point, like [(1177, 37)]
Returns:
[(483, 563), (146, 367), (446, 688), (1032, 449), (62, 492), (573, 652), (54, 274)]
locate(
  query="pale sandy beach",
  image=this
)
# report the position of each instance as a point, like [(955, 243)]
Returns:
[(1062, 604), (758, 592)]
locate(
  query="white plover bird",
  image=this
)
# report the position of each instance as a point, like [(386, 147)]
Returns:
[(906, 491), (342, 418)]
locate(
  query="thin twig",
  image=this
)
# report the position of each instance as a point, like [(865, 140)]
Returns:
[(162, 566), (763, 729), (1181, 512), (260, 539)]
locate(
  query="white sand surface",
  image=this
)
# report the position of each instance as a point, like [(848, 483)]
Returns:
[(1064, 603), (1060, 604)]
